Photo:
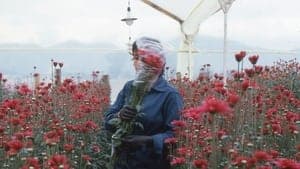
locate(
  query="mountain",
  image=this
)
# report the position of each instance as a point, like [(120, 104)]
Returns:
[(71, 44), (19, 46), (81, 59), (21, 58), (111, 59)]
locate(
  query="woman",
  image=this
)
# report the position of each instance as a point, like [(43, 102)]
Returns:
[(160, 105)]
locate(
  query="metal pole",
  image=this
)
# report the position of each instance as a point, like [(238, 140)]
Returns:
[(225, 49), (189, 60), (51, 72)]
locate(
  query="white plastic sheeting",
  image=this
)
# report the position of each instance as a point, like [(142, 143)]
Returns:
[(189, 28), (180, 8), (190, 14)]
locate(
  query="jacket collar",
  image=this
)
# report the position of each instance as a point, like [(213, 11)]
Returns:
[(160, 84)]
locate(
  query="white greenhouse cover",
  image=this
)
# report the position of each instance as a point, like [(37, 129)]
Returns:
[(190, 14)]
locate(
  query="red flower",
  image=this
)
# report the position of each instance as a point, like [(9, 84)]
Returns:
[(178, 123), (78, 96), (184, 151), (24, 90), (2, 129), (28, 133), (240, 161), (250, 72), (201, 163), (192, 113), (253, 59), (213, 105), (16, 121), (221, 133), (232, 98), (258, 69), (13, 147), (238, 75), (12, 104), (240, 56), (58, 162), (274, 153), (151, 59), (276, 128), (283, 163), (261, 156), (291, 116), (177, 161), (171, 140), (218, 84), (293, 128), (89, 126), (31, 163), (68, 147), (245, 84), (51, 138), (18, 136)]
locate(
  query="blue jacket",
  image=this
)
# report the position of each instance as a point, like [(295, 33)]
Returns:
[(161, 105)]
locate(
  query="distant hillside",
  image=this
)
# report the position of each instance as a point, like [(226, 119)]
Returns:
[(18, 46), (112, 60), (78, 44), (211, 43)]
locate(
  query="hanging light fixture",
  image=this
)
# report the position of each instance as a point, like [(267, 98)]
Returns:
[(129, 21)]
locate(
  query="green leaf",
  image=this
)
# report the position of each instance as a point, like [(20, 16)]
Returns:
[(140, 125), (114, 121)]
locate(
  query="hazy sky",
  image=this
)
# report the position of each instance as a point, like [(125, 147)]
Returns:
[(271, 24)]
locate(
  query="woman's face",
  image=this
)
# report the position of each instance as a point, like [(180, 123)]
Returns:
[(136, 60)]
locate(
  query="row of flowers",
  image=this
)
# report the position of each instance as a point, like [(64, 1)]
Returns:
[(252, 121), (54, 126)]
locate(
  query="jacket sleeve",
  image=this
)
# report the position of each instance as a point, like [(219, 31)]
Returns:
[(116, 107), (171, 109)]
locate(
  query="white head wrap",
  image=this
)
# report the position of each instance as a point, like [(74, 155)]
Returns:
[(151, 59)]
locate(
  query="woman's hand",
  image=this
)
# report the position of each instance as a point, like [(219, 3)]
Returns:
[(137, 140), (127, 113)]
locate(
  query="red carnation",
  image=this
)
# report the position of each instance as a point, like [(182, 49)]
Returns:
[(283, 163), (262, 156), (31, 163), (213, 105), (253, 59), (240, 56), (201, 163), (58, 161), (13, 147), (177, 161), (68, 147)]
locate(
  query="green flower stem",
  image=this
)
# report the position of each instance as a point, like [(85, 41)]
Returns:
[(214, 142)]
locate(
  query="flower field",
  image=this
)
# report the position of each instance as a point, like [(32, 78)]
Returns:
[(53, 127), (250, 122)]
